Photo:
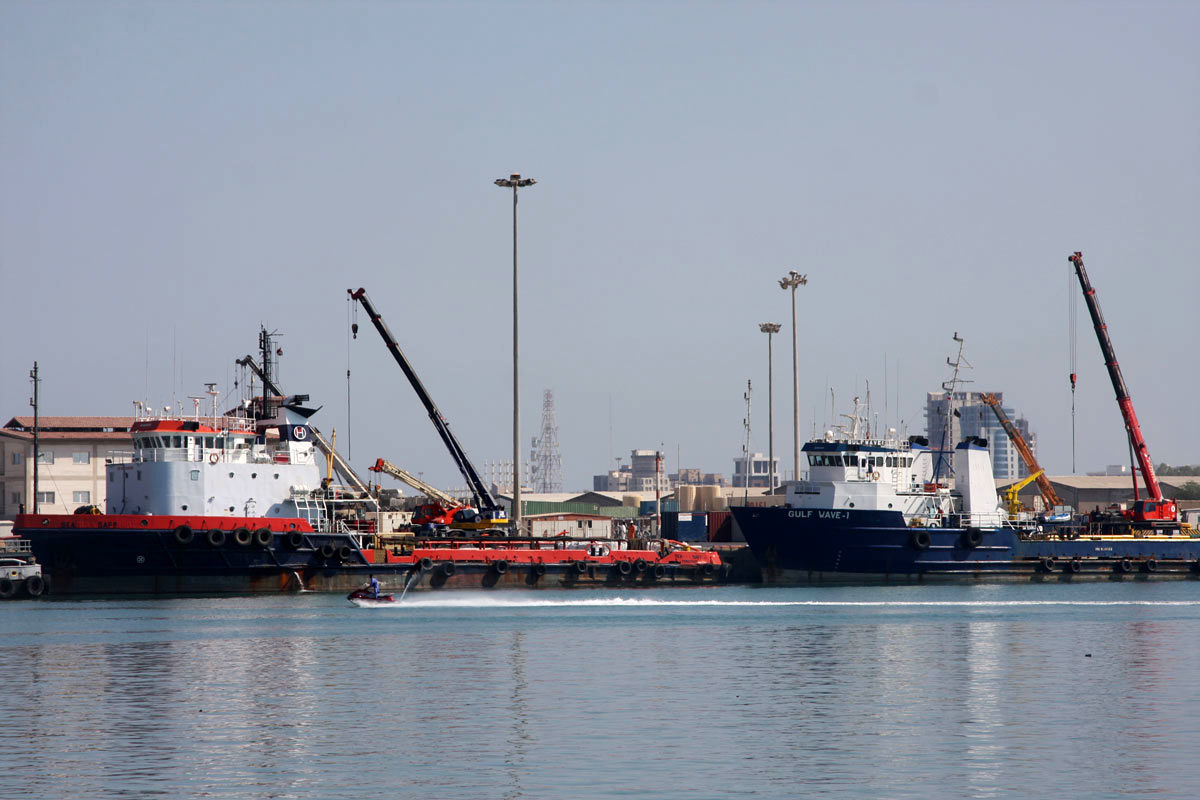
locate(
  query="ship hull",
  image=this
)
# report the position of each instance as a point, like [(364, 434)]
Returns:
[(139, 555), (812, 546)]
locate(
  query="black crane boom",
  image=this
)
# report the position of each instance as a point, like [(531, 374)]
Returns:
[(483, 498)]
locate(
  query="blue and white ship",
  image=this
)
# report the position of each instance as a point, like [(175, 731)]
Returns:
[(872, 510)]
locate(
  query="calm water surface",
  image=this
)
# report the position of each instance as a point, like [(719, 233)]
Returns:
[(944, 691)]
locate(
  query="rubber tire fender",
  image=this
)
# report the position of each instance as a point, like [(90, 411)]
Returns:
[(215, 537), (295, 540), (581, 567), (35, 585), (1049, 564), (1150, 565), (639, 565), (500, 566), (707, 570), (184, 535), (447, 568), (243, 536), (538, 569), (425, 564), (623, 567), (327, 550), (1124, 565), (263, 537), (345, 552), (972, 538), (919, 539), (1074, 566), (658, 571), (7, 588)]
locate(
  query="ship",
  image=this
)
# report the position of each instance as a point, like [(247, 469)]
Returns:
[(881, 509), (236, 502)]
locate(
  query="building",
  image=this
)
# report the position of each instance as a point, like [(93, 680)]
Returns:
[(643, 474), (972, 417), (696, 477), (1087, 493), (759, 472), (70, 465)]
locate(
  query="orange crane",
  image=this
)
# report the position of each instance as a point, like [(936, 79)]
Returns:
[(1048, 494)]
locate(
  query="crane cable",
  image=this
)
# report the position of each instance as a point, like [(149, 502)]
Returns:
[(1072, 331)]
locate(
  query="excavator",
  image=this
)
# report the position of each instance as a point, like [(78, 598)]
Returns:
[(1051, 498), (1154, 509), (487, 512)]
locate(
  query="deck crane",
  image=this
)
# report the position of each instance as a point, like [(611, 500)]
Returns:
[(443, 508), (490, 511), (319, 440), (1154, 508), (1012, 494), (1048, 494)]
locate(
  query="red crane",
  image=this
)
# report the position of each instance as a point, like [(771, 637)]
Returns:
[(1154, 508)]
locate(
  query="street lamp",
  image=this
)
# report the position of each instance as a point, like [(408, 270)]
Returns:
[(770, 329), (514, 182), (791, 281)]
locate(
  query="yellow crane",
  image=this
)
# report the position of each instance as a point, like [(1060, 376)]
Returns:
[(1010, 494), (1035, 470)]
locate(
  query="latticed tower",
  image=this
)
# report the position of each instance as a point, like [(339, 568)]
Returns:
[(545, 462)]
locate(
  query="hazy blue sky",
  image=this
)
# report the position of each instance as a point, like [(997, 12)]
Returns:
[(173, 174)]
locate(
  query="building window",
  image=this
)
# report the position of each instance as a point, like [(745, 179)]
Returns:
[(81, 497), (16, 459), (45, 497), (16, 498), (81, 458), (45, 457)]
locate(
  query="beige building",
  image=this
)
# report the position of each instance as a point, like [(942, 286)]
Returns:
[(71, 465), (1087, 493)]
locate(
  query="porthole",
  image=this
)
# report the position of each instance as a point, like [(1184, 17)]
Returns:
[(184, 507), (889, 505), (231, 474), (253, 474), (276, 476), (143, 523), (231, 509), (852, 505)]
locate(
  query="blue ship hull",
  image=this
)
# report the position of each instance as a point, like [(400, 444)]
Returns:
[(819, 546)]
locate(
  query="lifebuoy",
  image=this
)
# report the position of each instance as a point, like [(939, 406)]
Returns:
[(263, 537), (500, 566), (184, 534), (919, 540), (214, 458), (7, 588), (216, 537), (875, 475), (243, 536), (34, 585)]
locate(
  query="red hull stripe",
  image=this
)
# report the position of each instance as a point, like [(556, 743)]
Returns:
[(139, 522)]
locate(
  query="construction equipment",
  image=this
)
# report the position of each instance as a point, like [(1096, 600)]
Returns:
[(443, 508), (347, 472), (1154, 508), (1010, 494), (1035, 470), (490, 512)]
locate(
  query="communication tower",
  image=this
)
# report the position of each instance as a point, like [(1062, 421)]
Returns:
[(545, 461)]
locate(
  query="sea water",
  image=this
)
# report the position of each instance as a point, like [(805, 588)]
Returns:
[(878, 692)]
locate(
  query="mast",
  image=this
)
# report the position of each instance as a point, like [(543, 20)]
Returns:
[(34, 402)]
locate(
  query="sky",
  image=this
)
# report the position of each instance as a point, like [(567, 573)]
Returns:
[(173, 175)]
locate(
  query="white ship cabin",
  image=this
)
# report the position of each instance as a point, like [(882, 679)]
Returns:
[(218, 465), (890, 475)]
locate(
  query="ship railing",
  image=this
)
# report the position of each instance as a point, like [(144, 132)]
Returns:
[(13, 544)]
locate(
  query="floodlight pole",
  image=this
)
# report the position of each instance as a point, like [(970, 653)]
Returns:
[(791, 281), (514, 182), (770, 329)]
